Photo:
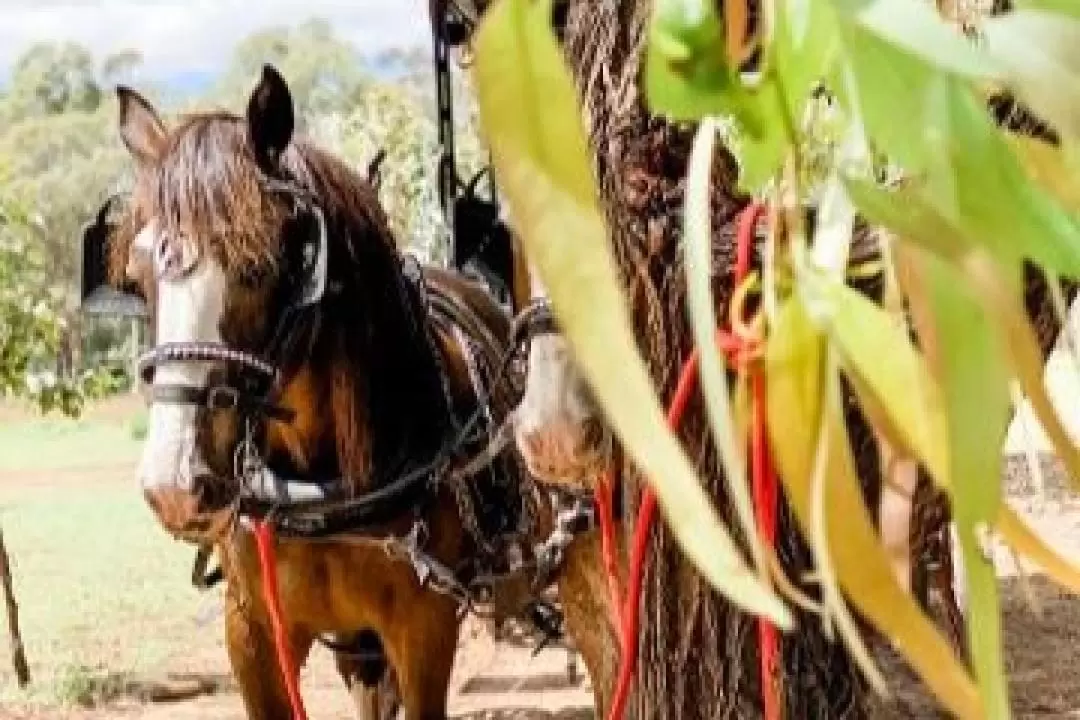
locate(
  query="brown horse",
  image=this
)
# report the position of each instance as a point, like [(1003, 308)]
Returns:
[(564, 442), (302, 376)]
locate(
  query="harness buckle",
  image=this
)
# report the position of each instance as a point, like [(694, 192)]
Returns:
[(222, 397)]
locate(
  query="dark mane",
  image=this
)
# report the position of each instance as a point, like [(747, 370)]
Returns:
[(367, 334)]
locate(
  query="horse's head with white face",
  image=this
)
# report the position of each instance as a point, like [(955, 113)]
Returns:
[(558, 426), (225, 246)]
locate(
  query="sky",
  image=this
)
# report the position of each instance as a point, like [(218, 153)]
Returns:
[(195, 37)]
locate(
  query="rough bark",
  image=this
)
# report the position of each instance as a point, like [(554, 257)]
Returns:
[(698, 656), (18, 653)]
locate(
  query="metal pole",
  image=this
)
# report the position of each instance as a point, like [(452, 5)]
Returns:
[(448, 178)]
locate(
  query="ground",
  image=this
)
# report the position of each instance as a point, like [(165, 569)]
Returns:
[(112, 624)]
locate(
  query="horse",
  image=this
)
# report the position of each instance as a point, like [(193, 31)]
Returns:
[(308, 377), (561, 436)]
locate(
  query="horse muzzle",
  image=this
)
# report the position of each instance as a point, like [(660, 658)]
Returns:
[(184, 515)]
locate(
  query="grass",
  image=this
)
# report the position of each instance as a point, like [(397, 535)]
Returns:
[(54, 443), (103, 592)]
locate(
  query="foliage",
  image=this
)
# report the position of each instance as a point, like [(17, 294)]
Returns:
[(60, 157), (31, 327), (901, 83)]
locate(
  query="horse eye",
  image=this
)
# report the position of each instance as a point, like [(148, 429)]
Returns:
[(174, 258)]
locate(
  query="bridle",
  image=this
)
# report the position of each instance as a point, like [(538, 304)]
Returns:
[(250, 387), (534, 320)]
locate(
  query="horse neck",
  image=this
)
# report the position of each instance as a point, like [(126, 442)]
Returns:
[(368, 399)]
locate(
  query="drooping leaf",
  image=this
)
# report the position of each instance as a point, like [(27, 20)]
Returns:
[(969, 364), (1023, 353), (697, 246), (889, 89), (530, 113), (875, 350), (795, 367), (996, 202), (804, 48)]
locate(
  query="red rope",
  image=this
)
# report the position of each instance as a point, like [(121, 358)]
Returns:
[(764, 491), (264, 541), (603, 498)]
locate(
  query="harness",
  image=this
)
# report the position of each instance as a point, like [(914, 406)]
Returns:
[(473, 451)]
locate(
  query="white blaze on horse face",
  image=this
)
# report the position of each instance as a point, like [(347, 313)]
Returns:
[(556, 422), (189, 310)]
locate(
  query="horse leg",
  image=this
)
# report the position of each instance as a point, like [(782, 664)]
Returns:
[(422, 650), (583, 591), (253, 657), (364, 668)]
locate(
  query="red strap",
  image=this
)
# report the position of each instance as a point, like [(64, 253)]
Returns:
[(264, 541), (603, 498)]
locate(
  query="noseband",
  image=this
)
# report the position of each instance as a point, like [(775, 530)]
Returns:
[(250, 397), (535, 320)]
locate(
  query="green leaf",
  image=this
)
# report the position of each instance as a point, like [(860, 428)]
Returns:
[(974, 380), (1040, 54), (804, 48), (687, 76), (917, 28), (995, 199), (888, 84), (908, 214), (530, 112), (697, 247), (1068, 8)]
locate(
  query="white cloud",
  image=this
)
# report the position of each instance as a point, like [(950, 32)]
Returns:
[(198, 35)]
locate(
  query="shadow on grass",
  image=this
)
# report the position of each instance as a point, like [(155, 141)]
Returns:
[(93, 687)]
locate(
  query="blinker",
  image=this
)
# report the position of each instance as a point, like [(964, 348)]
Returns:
[(98, 296), (316, 252)]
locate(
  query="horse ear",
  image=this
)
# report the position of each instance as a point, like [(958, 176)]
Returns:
[(141, 129), (270, 117)]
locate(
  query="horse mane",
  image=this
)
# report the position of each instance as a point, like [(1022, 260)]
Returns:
[(368, 334)]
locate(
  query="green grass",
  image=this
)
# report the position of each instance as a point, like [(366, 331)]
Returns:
[(103, 591), (53, 443)]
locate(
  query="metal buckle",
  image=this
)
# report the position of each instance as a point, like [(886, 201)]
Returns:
[(222, 397)]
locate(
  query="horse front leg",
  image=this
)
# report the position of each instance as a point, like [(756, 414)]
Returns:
[(253, 657), (583, 592), (362, 663), (421, 649)]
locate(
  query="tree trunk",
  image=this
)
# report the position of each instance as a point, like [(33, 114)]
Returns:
[(698, 656), (18, 653)]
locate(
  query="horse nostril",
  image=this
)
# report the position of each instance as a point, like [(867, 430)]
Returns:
[(176, 509)]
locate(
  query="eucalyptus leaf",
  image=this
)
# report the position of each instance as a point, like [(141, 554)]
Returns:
[(969, 363), (697, 247), (918, 29), (687, 75)]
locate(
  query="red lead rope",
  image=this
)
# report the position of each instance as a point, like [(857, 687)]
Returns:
[(626, 615), (264, 541)]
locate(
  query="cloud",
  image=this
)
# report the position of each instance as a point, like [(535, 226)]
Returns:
[(186, 36)]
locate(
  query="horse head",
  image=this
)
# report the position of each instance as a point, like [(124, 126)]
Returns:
[(558, 426), (286, 330)]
